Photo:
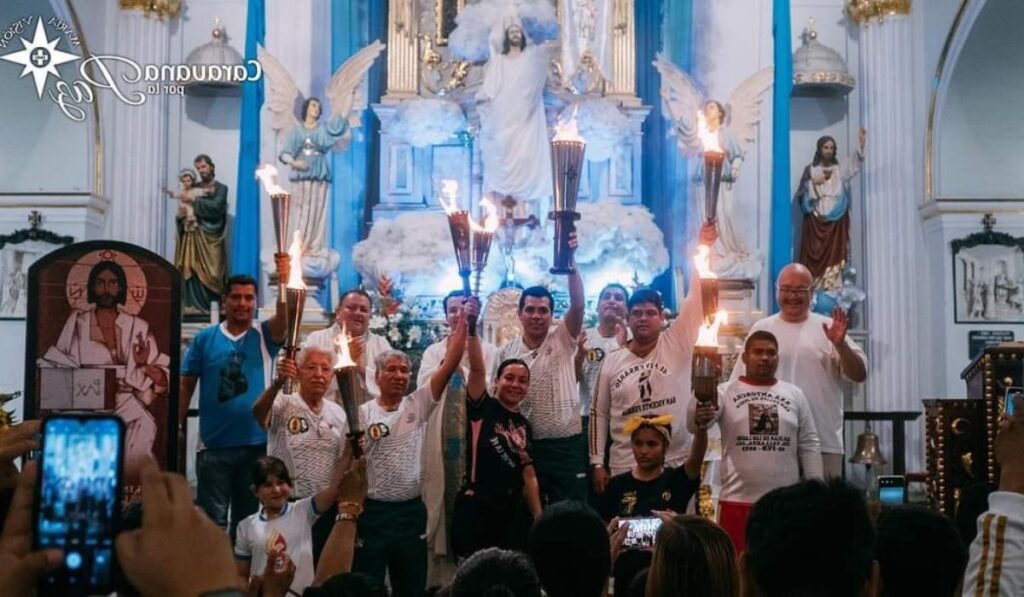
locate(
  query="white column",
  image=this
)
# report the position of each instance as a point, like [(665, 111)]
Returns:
[(137, 139), (893, 232)]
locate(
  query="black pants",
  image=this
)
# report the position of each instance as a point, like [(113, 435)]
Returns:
[(561, 469), (493, 521), (392, 541), (322, 530)]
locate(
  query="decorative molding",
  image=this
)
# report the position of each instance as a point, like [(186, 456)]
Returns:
[(160, 9), (862, 11), (35, 233)]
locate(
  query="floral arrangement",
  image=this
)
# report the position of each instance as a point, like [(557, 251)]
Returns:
[(425, 122), (400, 323)]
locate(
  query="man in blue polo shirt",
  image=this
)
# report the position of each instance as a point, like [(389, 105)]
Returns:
[(233, 363)]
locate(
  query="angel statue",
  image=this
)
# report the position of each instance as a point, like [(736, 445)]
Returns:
[(308, 139), (824, 199), (513, 128), (734, 124)]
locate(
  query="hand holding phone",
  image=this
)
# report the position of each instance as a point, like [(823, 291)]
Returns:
[(892, 490), (1009, 408), (641, 531)]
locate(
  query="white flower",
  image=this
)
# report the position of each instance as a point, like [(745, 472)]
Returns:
[(378, 322), (394, 335), (415, 333)]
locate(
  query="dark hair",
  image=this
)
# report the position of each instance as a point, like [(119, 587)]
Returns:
[(692, 556), (625, 292), (118, 271), (760, 335), (349, 584), (821, 530), (644, 295), (509, 363), (358, 291), (452, 294), (305, 106), (638, 586), (919, 552), (506, 44), (570, 548), (537, 292), (241, 280), (494, 572), (270, 465), (205, 158), (819, 158)]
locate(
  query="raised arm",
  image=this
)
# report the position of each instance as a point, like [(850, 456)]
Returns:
[(477, 383), (577, 299), (264, 405), (452, 357), (600, 415), (704, 416), (336, 557)]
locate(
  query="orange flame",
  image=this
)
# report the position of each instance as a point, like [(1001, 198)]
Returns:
[(276, 544), (449, 191), (491, 220), (708, 138), (708, 334), (295, 257), (702, 261), (267, 174), (568, 131), (344, 356)]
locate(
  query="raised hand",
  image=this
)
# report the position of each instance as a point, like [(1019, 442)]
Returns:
[(705, 414), (287, 369), (621, 334), (708, 233), (836, 333), (20, 567)]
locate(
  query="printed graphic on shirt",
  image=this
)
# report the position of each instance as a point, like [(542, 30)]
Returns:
[(628, 503), (232, 379), (643, 372), (644, 383), (764, 419), (515, 437), (297, 425), (378, 431), (595, 355), (276, 543)]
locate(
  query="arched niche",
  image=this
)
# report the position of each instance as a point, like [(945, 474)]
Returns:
[(975, 128), (42, 151)]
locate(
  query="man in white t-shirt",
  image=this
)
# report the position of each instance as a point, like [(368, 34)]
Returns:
[(393, 526), (353, 313), (304, 430), (599, 341), (650, 376), (444, 448), (768, 435), (814, 355), (552, 404)]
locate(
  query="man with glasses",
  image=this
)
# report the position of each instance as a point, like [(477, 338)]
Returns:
[(814, 355)]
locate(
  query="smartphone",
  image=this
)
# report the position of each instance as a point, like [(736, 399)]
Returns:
[(1008, 408), (642, 531), (78, 493), (892, 490)]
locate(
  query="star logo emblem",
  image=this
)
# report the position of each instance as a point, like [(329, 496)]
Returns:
[(40, 57)]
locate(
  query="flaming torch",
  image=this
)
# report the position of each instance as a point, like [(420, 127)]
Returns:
[(295, 302), (567, 150), (280, 199), (458, 223), (708, 282), (482, 237), (707, 363), (351, 389), (713, 159)]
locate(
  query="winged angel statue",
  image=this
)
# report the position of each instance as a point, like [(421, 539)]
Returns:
[(735, 125), (308, 140)]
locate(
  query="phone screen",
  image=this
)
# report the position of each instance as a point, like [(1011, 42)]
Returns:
[(892, 490), (1008, 408), (77, 499), (642, 531)]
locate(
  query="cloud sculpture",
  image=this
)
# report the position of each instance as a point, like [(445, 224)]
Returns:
[(425, 122)]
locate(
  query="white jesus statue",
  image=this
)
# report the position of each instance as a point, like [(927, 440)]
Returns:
[(514, 132)]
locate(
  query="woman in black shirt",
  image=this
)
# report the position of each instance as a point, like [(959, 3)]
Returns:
[(500, 495)]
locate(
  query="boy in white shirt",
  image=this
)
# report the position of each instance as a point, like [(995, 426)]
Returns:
[(768, 435)]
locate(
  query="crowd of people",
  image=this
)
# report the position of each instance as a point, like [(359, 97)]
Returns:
[(562, 463)]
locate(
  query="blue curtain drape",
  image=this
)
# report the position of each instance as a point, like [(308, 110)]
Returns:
[(664, 26), (245, 239), (354, 24), (781, 248)]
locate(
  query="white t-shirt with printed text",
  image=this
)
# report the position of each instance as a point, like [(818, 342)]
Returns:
[(808, 360), (308, 443), (292, 530), (394, 446), (598, 347), (768, 438), (552, 404)]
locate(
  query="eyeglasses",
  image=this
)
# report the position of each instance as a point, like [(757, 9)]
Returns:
[(791, 290)]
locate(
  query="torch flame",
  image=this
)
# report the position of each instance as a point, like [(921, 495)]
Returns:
[(708, 334), (344, 357), (267, 174), (491, 220), (702, 261), (276, 543), (449, 191), (568, 131), (295, 257), (708, 138)]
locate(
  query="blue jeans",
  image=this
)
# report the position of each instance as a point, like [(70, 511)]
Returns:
[(225, 480)]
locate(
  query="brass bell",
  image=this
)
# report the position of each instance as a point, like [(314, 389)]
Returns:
[(867, 451)]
